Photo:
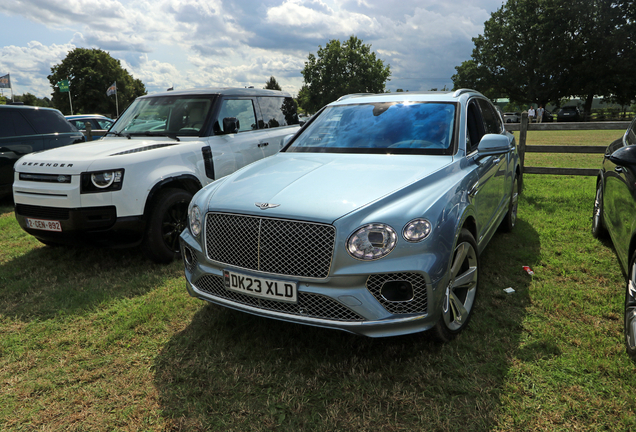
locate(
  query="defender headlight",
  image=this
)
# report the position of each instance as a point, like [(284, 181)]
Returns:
[(417, 230), (102, 181), (194, 217), (372, 241)]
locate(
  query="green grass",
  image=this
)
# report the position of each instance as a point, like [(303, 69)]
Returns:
[(103, 340)]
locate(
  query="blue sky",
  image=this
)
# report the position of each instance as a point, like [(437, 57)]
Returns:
[(211, 43)]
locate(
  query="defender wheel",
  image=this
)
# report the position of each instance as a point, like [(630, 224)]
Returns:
[(511, 217), (598, 224), (630, 310), (167, 219), (461, 291)]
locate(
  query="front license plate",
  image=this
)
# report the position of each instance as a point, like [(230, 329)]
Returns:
[(45, 225), (271, 289)]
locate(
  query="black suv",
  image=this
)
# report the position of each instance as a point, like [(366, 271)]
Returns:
[(28, 129)]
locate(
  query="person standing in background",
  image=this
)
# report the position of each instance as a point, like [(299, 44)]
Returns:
[(540, 111), (531, 114)]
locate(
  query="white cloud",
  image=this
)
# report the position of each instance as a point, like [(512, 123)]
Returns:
[(191, 43)]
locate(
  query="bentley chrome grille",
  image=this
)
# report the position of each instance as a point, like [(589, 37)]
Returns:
[(308, 305), (419, 302), (276, 246)]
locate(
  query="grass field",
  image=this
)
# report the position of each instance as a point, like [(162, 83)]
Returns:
[(104, 340)]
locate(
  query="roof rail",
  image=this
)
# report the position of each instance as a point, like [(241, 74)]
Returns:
[(352, 95), (461, 92)]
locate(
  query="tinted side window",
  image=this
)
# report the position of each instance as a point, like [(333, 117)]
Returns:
[(491, 118), (45, 121), (475, 127), (242, 110), (630, 136), (13, 124)]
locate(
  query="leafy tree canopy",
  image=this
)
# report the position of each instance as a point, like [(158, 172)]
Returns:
[(90, 72), (544, 50), (272, 84), (338, 69)]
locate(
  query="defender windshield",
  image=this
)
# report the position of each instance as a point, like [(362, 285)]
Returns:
[(386, 127), (165, 115)]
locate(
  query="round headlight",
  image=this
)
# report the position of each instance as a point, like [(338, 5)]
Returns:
[(195, 221), (103, 179), (417, 230), (372, 241)]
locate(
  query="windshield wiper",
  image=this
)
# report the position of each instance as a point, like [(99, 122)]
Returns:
[(119, 134)]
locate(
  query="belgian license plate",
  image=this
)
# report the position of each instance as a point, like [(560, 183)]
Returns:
[(42, 224), (271, 289)]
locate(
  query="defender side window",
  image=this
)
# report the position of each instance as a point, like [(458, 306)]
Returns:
[(242, 110)]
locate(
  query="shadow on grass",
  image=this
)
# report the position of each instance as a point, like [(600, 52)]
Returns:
[(232, 371), (40, 282)]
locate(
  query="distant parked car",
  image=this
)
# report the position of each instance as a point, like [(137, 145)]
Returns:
[(547, 116), (569, 113), (510, 117), (615, 213), (99, 124), (26, 129), (370, 220)]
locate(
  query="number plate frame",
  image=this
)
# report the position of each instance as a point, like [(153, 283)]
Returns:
[(265, 288), (43, 224)]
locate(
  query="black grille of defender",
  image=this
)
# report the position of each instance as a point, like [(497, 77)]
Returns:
[(419, 302), (308, 305), (275, 246), (55, 213)]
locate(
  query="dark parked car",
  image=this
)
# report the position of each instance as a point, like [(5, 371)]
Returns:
[(28, 129), (547, 117), (569, 113), (615, 214), (99, 124)]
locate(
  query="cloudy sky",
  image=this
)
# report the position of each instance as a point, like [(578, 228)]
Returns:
[(210, 43)]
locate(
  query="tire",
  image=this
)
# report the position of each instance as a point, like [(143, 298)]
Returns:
[(167, 218), (598, 223), (630, 310), (461, 292), (509, 221)]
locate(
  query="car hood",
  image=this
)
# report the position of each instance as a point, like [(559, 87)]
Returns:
[(78, 158), (319, 187)]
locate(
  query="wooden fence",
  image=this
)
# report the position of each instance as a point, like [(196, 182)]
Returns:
[(524, 126)]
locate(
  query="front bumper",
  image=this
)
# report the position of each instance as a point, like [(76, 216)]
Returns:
[(94, 225), (351, 303)]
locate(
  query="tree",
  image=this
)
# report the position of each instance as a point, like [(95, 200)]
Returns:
[(542, 51), (338, 69), (30, 99), (272, 84), (90, 72)]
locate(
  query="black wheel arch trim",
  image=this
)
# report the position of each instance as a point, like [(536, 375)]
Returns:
[(186, 182)]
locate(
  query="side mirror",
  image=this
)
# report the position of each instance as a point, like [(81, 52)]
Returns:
[(624, 156), (230, 125), (286, 140), (491, 144)]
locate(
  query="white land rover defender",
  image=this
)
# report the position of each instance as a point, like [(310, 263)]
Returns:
[(134, 185)]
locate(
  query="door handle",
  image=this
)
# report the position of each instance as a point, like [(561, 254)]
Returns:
[(496, 161), (263, 144)]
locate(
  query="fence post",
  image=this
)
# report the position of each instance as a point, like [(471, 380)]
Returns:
[(89, 131), (523, 132)]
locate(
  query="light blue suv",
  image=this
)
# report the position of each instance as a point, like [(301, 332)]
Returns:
[(370, 220)]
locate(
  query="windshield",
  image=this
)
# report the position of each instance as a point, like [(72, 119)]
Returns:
[(165, 115), (386, 127)]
